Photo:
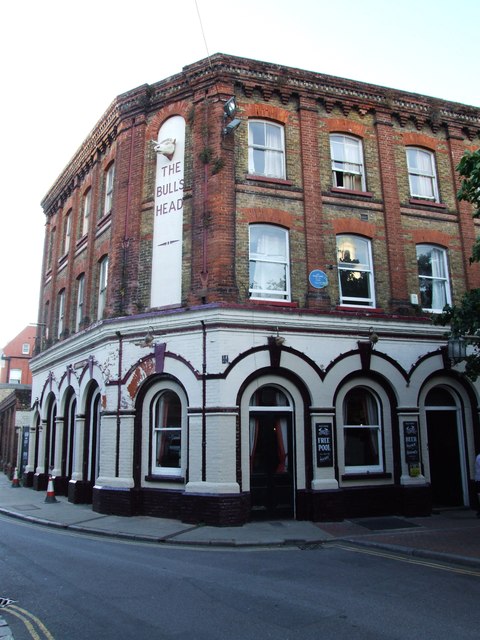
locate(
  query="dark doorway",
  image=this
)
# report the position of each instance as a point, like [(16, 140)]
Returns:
[(271, 461), (444, 456)]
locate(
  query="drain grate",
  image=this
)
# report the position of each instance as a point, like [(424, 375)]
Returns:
[(384, 524), (4, 602)]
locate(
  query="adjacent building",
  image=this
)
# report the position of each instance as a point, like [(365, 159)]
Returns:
[(241, 267)]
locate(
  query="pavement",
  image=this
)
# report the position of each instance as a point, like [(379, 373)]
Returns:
[(451, 536)]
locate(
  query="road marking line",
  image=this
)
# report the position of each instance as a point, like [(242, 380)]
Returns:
[(38, 622), (26, 622), (393, 556)]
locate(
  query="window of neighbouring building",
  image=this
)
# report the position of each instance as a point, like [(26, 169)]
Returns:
[(109, 178), (25, 348), (421, 174), (355, 271), (15, 376), (80, 299), (269, 262), (167, 433), (102, 286), (362, 432), (347, 162), (266, 149), (433, 277)]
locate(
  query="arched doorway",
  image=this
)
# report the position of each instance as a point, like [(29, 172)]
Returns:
[(272, 456), (446, 452)]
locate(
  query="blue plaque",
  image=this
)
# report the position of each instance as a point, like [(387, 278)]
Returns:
[(318, 279)]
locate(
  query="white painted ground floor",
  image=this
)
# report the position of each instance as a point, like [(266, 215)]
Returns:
[(223, 415)]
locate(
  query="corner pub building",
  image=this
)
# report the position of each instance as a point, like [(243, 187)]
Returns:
[(241, 267)]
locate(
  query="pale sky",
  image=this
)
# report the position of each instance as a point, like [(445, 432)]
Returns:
[(64, 62)]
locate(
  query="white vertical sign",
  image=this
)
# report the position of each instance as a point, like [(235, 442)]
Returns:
[(168, 214)]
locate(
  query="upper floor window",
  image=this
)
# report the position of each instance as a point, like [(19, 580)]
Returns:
[(347, 162), (102, 286), (67, 225), (422, 175), (109, 177), (433, 278), (266, 149), (61, 313), (51, 247), (87, 204), (269, 262), (80, 299), (25, 348), (362, 432), (167, 434), (355, 271), (15, 376)]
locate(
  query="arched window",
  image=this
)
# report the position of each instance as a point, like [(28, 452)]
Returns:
[(433, 278), (167, 433), (347, 162), (362, 432), (67, 231), (421, 174), (266, 149), (269, 262), (355, 271)]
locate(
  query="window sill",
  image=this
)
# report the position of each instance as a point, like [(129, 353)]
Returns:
[(374, 475), (276, 303), (269, 179), (359, 307), (152, 477), (420, 202), (351, 192), (104, 219)]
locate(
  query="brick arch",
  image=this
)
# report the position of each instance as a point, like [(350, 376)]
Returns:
[(270, 216), (431, 236), (359, 227), (411, 139), (343, 125), (181, 108), (268, 111)]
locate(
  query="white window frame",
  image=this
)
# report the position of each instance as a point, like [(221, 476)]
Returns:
[(440, 280), (87, 205), (25, 349), (348, 169), (109, 180), (157, 430), (353, 242), (422, 175), (273, 154), (15, 376), (376, 428), (67, 232), (102, 286), (61, 313), (80, 300), (265, 259)]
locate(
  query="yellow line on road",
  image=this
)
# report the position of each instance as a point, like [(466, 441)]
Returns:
[(408, 559), (25, 616)]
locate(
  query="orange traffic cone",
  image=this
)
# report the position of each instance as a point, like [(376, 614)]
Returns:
[(50, 497), (15, 481)]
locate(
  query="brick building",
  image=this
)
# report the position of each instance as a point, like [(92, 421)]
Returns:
[(15, 399), (237, 301)]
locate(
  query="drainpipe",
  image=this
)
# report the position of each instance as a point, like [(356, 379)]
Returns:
[(126, 240), (204, 402), (119, 402)]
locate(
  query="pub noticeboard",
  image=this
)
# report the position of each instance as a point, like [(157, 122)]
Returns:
[(412, 446), (324, 444)]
